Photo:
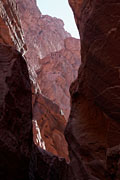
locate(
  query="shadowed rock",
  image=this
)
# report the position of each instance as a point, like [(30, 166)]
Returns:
[(15, 115), (95, 112)]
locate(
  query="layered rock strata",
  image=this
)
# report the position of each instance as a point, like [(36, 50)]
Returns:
[(10, 28)]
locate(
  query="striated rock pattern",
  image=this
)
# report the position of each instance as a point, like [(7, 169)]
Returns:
[(94, 125), (93, 128), (43, 34), (15, 115), (57, 72), (9, 39), (18, 156), (50, 124), (10, 28)]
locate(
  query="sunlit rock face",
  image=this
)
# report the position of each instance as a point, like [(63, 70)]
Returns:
[(52, 53), (43, 34), (94, 124), (15, 98), (48, 124), (58, 71), (10, 28), (48, 127)]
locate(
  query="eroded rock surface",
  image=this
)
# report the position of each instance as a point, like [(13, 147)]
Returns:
[(43, 34), (58, 71), (48, 118), (51, 52), (94, 119), (93, 128), (18, 154), (10, 28), (15, 115)]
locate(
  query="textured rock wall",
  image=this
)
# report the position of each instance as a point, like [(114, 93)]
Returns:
[(93, 128), (11, 34), (51, 52), (51, 124), (19, 157), (10, 28), (15, 98), (15, 115), (43, 34), (58, 71), (94, 120)]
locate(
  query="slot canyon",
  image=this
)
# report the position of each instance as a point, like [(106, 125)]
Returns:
[(59, 96)]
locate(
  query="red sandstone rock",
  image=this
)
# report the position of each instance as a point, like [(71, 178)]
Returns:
[(50, 125), (93, 127), (43, 34), (16, 151), (57, 72), (95, 112), (10, 28)]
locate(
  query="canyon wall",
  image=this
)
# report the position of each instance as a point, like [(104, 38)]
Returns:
[(19, 157), (94, 126), (51, 51), (15, 98), (48, 127), (43, 34), (58, 71)]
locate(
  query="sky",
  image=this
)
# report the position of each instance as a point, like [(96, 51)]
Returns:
[(62, 10)]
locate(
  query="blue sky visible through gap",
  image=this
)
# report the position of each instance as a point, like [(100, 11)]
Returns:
[(62, 10)]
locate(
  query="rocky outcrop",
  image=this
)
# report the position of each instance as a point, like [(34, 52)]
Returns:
[(58, 71), (10, 28), (16, 138), (51, 52), (94, 120), (15, 98), (93, 128), (43, 34), (50, 125)]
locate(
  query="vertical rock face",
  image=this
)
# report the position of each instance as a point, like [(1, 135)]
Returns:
[(15, 115), (51, 52), (10, 28), (15, 98), (48, 120), (94, 120), (58, 71), (18, 158), (43, 34), (11, 34)]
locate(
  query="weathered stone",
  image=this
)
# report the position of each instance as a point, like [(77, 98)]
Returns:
[(43, 34), (50, 125), (10, 28), (15, 115), (58, 71), (95, 112)]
